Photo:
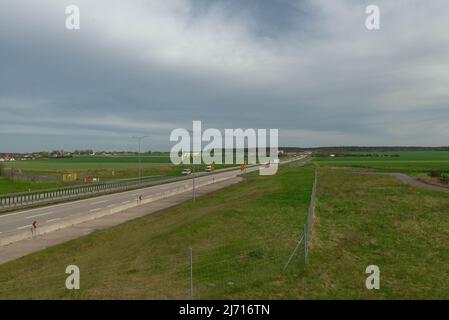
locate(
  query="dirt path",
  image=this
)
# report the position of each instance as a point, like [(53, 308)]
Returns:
[(407, 179)]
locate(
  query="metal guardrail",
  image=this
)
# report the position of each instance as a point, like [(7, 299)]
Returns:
[(28, 199), (21, 200)]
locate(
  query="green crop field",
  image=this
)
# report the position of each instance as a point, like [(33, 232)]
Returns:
[(103, 167), (99, 166), (413, 162), (11, 186)]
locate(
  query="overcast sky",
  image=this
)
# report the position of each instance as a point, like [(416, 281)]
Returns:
[(307, 67)]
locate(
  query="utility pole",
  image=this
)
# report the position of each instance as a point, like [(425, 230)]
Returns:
[(140, 161)]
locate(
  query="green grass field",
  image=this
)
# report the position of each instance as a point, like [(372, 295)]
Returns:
[(366, 219), (10, 186), (412, 162), (239, 251), (103, 167)]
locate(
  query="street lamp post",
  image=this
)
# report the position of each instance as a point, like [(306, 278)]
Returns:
[(193, 172), (140, 161), (192, 154)]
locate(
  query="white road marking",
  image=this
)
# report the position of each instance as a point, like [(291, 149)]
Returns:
[(38, 215), (92, 210), (111, 205), (98, 202), (23, 227), (124, 202), (53, 219)]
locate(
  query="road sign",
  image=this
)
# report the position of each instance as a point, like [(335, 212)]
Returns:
[(213, 167), (67, 177), (242, 167)]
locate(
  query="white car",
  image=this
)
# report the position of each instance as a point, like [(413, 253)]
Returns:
[(186, 172), (208, 169)]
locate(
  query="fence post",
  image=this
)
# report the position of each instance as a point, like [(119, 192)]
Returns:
[(305, 243), (191, 274)]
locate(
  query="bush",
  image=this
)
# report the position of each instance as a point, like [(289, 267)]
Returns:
[(435, 174), (444, 178)]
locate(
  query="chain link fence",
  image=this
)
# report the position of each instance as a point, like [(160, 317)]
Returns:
[(305, 236)]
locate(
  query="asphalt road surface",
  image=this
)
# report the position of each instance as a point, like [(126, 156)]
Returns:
[(407, 179)]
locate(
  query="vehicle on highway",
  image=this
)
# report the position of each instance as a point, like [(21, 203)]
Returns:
[(208, 169), (186, 172)]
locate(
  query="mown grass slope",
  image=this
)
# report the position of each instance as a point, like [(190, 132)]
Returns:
[(241, 238), (365, 219)]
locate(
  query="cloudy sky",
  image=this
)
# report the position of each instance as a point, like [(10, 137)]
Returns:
[(307, 67)]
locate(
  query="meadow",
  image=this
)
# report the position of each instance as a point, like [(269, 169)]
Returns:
[(102, 167), (410, 162), (366, 220), (12, 186)]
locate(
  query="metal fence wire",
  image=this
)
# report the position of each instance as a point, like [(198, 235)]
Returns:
[(305, 236)]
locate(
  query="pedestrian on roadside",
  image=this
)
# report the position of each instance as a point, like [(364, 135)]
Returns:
[(34, 229)]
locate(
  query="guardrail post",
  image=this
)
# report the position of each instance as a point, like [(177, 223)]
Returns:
[(306, 236)]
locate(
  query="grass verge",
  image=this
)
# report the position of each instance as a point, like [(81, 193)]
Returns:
[(364, 220)]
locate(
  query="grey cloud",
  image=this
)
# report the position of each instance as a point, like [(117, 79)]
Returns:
[(309, 68)]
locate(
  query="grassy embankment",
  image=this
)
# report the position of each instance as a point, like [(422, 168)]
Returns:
[(241, 238), (365, 219)]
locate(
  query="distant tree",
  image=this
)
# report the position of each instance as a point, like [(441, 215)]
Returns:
[(2, 169), (435, 174)]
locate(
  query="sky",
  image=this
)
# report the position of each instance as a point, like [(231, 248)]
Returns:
[(309, 68)]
